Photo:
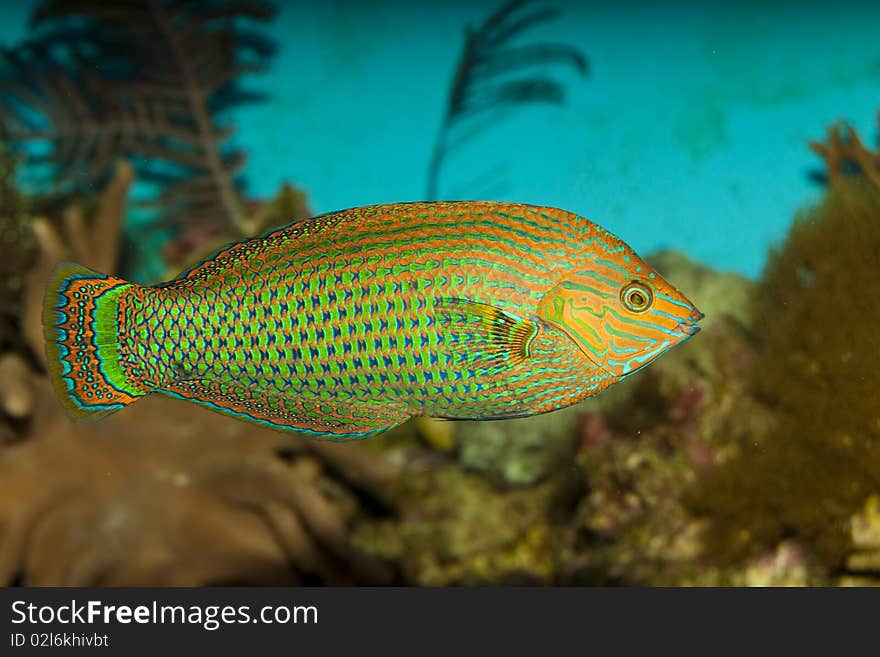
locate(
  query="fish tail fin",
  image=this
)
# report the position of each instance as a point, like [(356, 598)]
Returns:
[(81, 329)]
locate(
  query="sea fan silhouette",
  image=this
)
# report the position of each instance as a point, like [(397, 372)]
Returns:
[(492, 76), (143, 79)]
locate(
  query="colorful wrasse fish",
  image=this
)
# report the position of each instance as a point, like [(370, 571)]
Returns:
[(347, 324)]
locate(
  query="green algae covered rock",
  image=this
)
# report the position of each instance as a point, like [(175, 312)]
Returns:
[(645, 450), (817, 369), (455, 527), (522, 451), (863, 563)]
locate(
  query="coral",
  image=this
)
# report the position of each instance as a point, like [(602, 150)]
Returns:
[(439, 434), (846, 157), (519, 451), (787, 564), (817, 367), (453, 527), (145, 80), (643, 448), (16, 388), (168, 494), (18, 248), (631, 527), (863, 564), (484, 83)]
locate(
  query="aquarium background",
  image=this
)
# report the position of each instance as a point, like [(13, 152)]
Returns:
[(706, 136)]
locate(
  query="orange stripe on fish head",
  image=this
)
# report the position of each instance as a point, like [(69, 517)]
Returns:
[(619, 311)]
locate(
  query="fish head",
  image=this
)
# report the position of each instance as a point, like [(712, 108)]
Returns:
[(619, 311)]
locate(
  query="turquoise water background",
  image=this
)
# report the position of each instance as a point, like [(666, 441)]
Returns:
[(690, 132)]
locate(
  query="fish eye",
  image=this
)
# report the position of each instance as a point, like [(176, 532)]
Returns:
[(636, 297)]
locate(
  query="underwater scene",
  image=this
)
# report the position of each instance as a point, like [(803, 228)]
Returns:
[(377, 292)]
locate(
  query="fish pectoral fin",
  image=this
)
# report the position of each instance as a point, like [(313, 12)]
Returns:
[(483, 335), (331, 419)]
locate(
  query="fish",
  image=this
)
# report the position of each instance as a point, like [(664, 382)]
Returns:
[(344, 325)]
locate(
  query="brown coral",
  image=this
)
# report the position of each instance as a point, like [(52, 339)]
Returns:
[(166, 493), (642, 450), (863, 564), (17, 245), (818, 369), (845, 155), (457, 528), (156, 100)]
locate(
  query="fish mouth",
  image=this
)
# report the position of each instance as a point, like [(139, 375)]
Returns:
[(689, 326)]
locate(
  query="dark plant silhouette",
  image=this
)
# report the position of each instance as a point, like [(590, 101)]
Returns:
[(141, 79), (17, 245), (493, 75)]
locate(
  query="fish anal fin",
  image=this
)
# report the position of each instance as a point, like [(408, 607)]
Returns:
[(485, 335), (331, 418)]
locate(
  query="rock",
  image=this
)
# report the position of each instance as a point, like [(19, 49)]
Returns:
[(522, 451), (865, 533), (439, 434), (16, 390), (167, 493), (455, 527), (786, 565)]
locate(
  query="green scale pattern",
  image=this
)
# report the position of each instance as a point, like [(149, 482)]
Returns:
[(345, 310)]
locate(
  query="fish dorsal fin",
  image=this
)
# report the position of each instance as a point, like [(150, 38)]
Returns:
[(254, 247), (482, 335), (332, 419)]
